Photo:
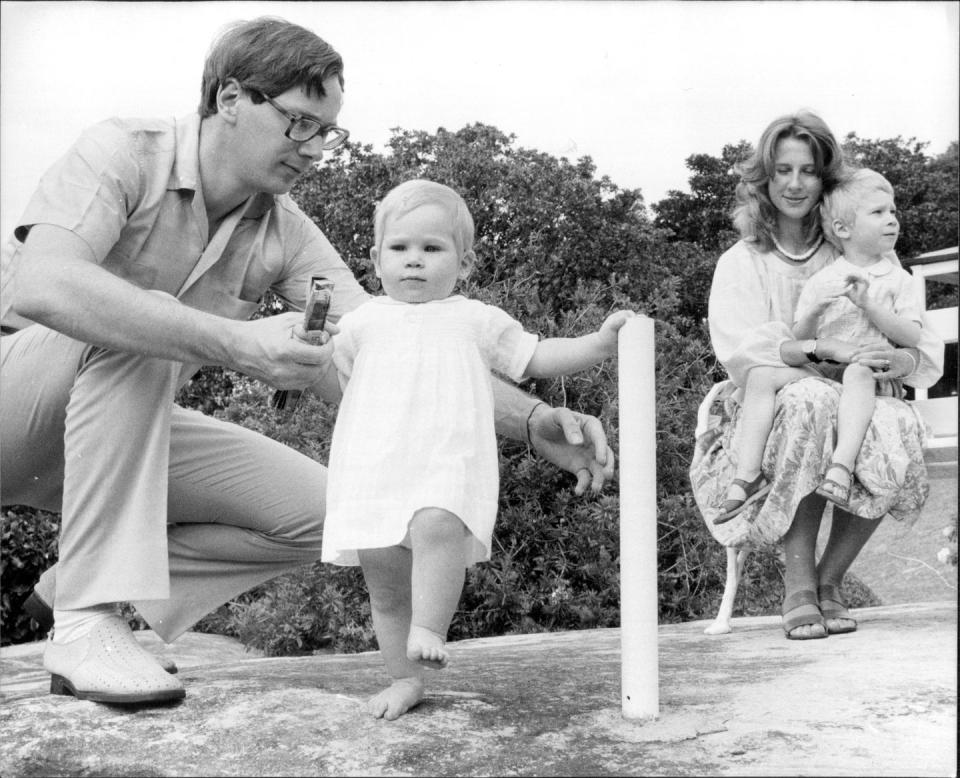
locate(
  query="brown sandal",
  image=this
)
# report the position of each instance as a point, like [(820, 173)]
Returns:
[(833, 607), (752, 491), (794, 602), (834, 491)]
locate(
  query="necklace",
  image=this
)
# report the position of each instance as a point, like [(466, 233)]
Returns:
[(794, 257)]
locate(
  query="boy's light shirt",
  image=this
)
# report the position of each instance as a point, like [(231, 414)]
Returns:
[(889, 286)]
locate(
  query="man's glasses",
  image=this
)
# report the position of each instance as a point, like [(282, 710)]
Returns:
[(301, 128)]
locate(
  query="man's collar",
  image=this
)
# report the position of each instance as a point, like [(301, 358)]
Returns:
[(186, 166), (186, 163)]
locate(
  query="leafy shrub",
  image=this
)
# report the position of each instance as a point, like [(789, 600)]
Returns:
[(316, 608), (28, 539), (558, 249)]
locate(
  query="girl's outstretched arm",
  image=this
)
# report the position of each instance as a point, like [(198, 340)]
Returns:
[(561, 356)]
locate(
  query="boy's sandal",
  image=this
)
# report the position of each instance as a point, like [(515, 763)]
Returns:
[(833, 607), (834, 491), (794, 602), (752, 491)]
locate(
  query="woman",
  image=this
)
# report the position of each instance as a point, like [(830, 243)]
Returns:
[(755, 289)]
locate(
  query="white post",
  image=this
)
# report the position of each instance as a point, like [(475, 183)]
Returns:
[(638, 521)]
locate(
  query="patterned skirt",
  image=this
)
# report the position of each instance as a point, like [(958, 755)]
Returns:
[(889, 475)]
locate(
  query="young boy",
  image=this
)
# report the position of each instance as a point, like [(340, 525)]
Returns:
[(880, 302), (862, 297)]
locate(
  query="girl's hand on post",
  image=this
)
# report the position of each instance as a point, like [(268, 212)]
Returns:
[(611, 328)]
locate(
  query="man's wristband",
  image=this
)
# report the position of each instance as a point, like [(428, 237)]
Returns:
[(530, 416)]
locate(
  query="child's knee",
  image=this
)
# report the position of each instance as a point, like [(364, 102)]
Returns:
[(857, 374), (436, 527), (759, 376)]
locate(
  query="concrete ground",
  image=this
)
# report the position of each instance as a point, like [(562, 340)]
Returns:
[(878, 702)]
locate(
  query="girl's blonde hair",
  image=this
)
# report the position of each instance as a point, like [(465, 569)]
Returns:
[(412, 194), (755, 216)]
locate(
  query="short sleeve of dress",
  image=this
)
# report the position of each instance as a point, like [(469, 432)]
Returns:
[(504, 343), (743, 329), (345, 343)]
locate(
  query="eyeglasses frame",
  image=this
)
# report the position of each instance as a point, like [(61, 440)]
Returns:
[(296, 117)]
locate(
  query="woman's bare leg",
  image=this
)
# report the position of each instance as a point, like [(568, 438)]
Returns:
[(848, 535), (800, 550)]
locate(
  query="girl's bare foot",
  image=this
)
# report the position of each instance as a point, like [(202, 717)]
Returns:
[(397, 699), (426, 648)]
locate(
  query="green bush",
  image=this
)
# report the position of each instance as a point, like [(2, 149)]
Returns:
[(557, 248), (28, 540)]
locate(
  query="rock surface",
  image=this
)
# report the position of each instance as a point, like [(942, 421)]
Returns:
[(881, 701)]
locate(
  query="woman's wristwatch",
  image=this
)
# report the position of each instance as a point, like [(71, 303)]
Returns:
[(809, 348)]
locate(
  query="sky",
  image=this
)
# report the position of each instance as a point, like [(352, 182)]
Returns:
[(637, 86)]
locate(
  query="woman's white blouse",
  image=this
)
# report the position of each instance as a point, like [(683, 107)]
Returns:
[(753, 298)]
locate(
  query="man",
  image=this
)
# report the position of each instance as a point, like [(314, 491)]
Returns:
[(141, 256)]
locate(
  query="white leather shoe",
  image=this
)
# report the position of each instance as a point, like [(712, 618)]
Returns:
[(108, 665), (37, 608)]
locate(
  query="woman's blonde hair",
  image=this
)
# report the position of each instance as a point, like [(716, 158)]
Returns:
[(755, 216)]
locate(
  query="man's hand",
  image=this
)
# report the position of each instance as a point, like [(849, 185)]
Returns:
[(269, 351), (574, 442)]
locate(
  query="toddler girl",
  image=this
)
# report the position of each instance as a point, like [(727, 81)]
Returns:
[(413, 479)]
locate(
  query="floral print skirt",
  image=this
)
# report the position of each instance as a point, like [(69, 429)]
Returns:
[(889, 475)]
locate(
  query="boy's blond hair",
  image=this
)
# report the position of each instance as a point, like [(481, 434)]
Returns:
[(840, 204), (412, 194)]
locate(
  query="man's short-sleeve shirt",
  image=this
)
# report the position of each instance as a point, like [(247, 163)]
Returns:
[(131, 190)]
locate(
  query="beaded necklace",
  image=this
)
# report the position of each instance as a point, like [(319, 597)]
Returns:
[(794, 257)]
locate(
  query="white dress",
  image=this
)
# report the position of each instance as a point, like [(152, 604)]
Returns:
[(415, 427)]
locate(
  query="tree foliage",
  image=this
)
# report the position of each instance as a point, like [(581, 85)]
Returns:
[(558, 248)]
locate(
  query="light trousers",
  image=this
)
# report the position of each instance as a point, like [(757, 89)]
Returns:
[(161, 506)]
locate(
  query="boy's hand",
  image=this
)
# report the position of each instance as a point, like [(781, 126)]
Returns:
[(610, 328), (856, 290), (831, 290)]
